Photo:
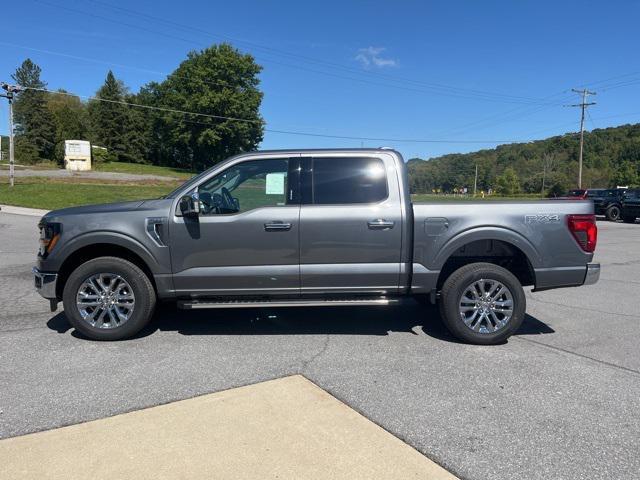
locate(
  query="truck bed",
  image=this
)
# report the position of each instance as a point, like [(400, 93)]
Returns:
[(535, 230)]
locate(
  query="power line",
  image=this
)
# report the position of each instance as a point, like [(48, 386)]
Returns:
[(591, 120), (444, 90), (148, 107), (211, 82), (517, 113), (113, 64), (509, 115), (304, 57), (522, 111), (599, 82), (633, 81), (288, 132)]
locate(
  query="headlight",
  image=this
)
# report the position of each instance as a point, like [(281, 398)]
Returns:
[(49, 236)]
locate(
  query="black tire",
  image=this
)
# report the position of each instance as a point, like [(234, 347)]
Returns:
[(453, 289), (613, 213), (143, 291), (628, 219)]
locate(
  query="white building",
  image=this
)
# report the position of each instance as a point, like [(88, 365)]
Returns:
[(77, 155)]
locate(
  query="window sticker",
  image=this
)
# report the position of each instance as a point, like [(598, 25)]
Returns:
[(275, 183)]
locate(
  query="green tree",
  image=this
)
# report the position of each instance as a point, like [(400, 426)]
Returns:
[(611, 157), (71, 120), (34, 122), (508, 183), (108, 117), (628, 174), (138, 135), (216, 82)]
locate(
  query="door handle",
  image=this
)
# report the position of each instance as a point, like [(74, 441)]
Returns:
[(277, 227), (380, 224)]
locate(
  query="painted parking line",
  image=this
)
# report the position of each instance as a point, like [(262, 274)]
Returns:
[(284, 428)]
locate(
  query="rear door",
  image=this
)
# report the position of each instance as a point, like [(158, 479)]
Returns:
[(350, 225), (631, 204)]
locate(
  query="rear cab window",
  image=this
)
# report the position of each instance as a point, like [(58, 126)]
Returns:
[(348, 180), (632, 194)]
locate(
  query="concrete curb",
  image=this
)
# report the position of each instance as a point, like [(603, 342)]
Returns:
[(32, 212)]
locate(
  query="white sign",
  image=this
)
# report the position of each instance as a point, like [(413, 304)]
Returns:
[(275, 183)]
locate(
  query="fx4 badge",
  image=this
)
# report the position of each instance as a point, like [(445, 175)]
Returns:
[(542, 218)]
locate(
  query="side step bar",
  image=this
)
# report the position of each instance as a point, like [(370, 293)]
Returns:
[(198, 304)]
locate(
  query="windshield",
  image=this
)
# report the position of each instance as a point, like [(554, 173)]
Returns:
[(575, 193), (193, 181)]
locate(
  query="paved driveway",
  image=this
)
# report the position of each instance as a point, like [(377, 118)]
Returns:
[(93, 174), (559, 400)]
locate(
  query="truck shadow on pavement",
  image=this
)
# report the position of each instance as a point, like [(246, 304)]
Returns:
[(302, 321)]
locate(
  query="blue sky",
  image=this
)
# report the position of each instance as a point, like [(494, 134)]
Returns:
[(456, 71)]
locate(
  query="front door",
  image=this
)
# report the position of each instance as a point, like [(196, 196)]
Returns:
[(351, 225), (245, 240)]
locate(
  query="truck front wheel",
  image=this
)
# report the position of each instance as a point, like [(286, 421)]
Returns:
[(108, 298), (482, 303)]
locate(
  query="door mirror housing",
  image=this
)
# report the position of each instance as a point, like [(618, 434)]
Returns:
[(189, 206)]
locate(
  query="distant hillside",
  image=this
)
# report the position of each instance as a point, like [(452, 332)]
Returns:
[(611, 157)]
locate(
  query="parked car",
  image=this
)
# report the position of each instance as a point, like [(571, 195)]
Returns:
[(631, 205), (607, 202), (310, 228)]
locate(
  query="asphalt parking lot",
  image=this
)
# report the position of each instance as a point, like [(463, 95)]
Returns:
[(559, 400)]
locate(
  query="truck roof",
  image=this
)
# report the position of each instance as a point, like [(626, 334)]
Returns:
[(324, 150)]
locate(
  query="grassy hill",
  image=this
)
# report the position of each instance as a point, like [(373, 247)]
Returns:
[(611, 157)]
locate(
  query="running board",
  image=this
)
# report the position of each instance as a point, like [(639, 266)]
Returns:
[(198, 304)]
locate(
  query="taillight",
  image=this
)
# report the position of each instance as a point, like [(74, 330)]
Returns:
[(584, 230)]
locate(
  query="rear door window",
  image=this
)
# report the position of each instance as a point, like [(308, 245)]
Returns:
[(349, 180)]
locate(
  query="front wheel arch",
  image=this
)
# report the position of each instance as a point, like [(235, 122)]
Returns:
[(89, 252), (124, 320)]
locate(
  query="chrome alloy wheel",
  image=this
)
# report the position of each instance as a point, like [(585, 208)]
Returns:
[(105, 300), (486, 306)]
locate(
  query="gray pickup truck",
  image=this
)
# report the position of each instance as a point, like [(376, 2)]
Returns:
[(310, 228)]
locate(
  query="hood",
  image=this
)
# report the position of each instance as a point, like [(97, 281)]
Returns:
[(92, 209)]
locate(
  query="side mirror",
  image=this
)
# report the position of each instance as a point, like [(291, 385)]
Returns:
[(189, 206)]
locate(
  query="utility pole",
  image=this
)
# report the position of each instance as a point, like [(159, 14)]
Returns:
[(11, 90), (475, 182), (583, 104)]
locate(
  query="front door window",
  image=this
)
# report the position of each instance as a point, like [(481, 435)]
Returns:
[(246, 186)]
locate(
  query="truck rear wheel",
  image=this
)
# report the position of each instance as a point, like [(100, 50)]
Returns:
[(613, 213), (482, 303), (108, 298)]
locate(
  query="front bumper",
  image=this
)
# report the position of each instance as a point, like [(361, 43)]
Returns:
[(45, 283), (593, 274)]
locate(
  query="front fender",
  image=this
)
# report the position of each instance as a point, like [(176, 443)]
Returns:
[(54, 261)]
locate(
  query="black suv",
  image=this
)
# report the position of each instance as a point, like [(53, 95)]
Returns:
[(631, 205), (607, 202)]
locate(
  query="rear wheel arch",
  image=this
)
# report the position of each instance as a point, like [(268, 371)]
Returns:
[(489, 250)]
